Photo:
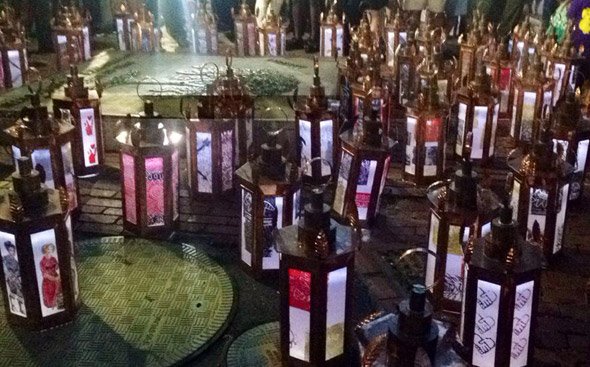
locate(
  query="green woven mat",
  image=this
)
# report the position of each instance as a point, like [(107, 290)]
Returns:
[(257, 347), (144, 303)]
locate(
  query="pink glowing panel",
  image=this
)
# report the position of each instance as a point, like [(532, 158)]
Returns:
[(15, 68), (175, 183), (88, 127), (154, 191), (299, 315), (129, 184)]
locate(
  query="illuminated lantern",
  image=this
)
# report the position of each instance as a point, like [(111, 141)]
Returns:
[(316, 277), (532, 92), (272, 36), (460, 208), (564, 61), (396, 34), (478, 115), (348, 72), (363, 169), (39, 275), (445, 75), (13, 52), (124, 20), (501, 282), (499, 67), (407, 60), (318, 131), (539, 194), (547, 43), (332, 35), (204, 38), (71, 37), (270, 198), (521, 46), (572, 135), (84, 108), (145, 36), (245, 30), (149, 164), (48, 141), (468, 56)]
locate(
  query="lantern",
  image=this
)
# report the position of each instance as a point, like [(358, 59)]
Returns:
[(478, 115), (317, 129), (124, 20), (13, 53), (547, 43), (539, 195), (272, 36), (348, 72), (521, 46), (145, 36), (407, 60), (396, 34), (316, 277), (500, 69), (331, 35), (245, 30), (270, 198), (445, 75), (501, 282), (84, 108), (572, 136), (564, 61), (48, 142), (468, 56), (532, 92), (39, 278), (71, 37), (149, 164), (363, 169), (204, 39), (460, 208)]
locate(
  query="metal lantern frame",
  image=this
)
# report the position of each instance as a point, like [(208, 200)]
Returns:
[(331, 35), (245, 31), (71, 37), (272, 36)]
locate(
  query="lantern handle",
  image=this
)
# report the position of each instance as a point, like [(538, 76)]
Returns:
[(421, 250), (148, 78), (202, 68), (270, 108), (307, 168)]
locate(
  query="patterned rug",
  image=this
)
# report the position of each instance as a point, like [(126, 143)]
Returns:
[(144, 303), (257, 347)]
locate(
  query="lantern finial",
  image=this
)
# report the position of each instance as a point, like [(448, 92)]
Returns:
[(316, 72), (321, 245)]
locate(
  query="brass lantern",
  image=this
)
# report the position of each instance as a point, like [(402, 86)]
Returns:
[(71, 37), (123, 14), (396, 33), (540, 194), (469, 49), (500, 69), (13, 52), (203, 32), (84, 108), (245, 30), (407, 60), (521, 46), (272, 36), (564, 61), (331, 35)]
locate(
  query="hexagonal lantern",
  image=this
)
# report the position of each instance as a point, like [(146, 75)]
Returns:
[(145, 36), (407, 60), (317, 129), (270, 198), (478, 115), (572, 137), (521, 46), (459, 208), (396, 33), (363, 169), (39, 275), (445, 75), (84, 109), (123, 14), (245, 31), (316, 277), (48, 141), (13, 52), (348, 72), (539, 194), (500, 69), (331, 34), (467, 62), (501, 283), (272, 36), (149, 162), (564, 61), (71, 37), (203, 32), (365, 37), (532, 93)]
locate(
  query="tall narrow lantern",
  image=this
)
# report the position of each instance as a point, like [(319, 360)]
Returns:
[(145, 36), (245, 31), (39, 277), (332, 35), (564, 61), (316, 277), (13, 52), (348, 72), (468, 56), (71, 37), (272, 36), (407, 60), (84, 108), (149, 164), (123, 15), (204, 39), (396, 34), (500, 69), (270, 198)]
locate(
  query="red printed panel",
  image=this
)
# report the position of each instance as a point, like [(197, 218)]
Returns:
[(129, 183), (432, 130), (504, 82), (88, 121), (299, 289), (154, 175)]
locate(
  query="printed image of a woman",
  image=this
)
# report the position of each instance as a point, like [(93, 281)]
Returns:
[(51, 279)]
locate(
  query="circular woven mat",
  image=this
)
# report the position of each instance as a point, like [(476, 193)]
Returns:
[(144, 303), (257, 347)]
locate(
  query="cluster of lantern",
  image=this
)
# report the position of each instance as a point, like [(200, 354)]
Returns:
[(71, 36), (203, 29), (13, 52)]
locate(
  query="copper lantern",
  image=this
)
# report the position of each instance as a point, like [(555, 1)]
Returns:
[(144, 34), (13, 53), (331, 35), (71, 37), (245, 31), (123, 14), (500, 69), (272, 36), (203, 32)]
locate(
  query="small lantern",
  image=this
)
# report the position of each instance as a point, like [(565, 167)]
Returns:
[(123, 14), (348, 72), (468, 56), (564, 61), (270, 198), (316, 277), (245, 30), (145, 36), (84, 108), (460, 208), (48, 142), (407, 60), (478, 115), (332, 35), (521, 46), (317, 130), (396, 34), (548, 43), (13, 53), (363, 169), (539, 195), (39, 277), (425, 124), (204, 38), (71, 37), (501, 282), (272, 36), (445, 75), (532, 92), (500, 69), (149, 174), (365, 37)]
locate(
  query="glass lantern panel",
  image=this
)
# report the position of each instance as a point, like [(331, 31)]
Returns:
[(299, 313), (121, 35), (515, 199), (486, 229), (432, 246), (327, 41), (558, 76), (521, 324), (86, 35), (261, 44), (504, 87), (494, 129), (410, 163), (74, 268), (12, 275), (154, 191), (514, 110), (487, 309), (16, 153), (562, 199), (580, 166), (15, 68), (528, 116), (462, 117), (247, 227), (296, 206), (582, 155), (47, 272), (547, 98), (453, 283), (383, 180), (442, 90), (520, 47), (391, 47), (251, 38), (204, 163), (335, 313), (175, 184), (305, 135), (537, 213), (66, 156), (432, 131), (327, 145), (88, 124), (62, 49), (465, 65), (272, 44), (42, 162), (227, 162), (404, 82), (340, 40), (480, 120), (463, 301), (572, 76), (364, 187), (272, 218), (342, 184), (564, 147), (129, 188)]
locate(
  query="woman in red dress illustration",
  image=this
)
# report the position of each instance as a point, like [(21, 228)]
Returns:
[(51, 280)]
